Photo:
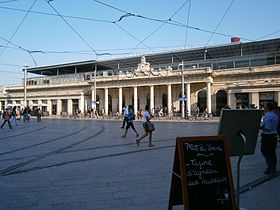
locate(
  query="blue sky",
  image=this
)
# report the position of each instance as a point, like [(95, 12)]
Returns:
[(90, 28)]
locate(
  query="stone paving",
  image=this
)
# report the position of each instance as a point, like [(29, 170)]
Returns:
[(85, 164)]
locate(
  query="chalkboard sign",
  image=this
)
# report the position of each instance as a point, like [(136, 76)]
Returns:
[(202, 176)]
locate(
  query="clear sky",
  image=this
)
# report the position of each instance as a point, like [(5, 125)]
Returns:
[(48, 32)]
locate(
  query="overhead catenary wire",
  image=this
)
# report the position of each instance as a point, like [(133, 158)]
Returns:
[(170, 22), (56, 15), (275, 32), (133, 36), (75, 31), (20, 24), (231, 3), (1, 2), (169, 19), (127, 14), (187, 28)]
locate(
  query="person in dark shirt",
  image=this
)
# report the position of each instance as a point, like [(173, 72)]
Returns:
[(129, 121), (7, 115), (269, 137)]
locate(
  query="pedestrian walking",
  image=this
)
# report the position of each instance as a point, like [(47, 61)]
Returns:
[(14, 115), (129, 122), (39, 115), (7, 115), (148, 132), (125, 113), (26, 116), (269, 137)]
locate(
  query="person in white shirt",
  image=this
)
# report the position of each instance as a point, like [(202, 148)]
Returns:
[(125, 113), (146, 118)]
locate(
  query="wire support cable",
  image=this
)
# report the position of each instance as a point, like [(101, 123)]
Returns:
[(231, 3)]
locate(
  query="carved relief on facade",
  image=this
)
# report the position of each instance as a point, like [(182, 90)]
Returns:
[(144, 69)]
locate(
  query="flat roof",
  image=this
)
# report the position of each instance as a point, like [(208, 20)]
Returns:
[(213, 52)]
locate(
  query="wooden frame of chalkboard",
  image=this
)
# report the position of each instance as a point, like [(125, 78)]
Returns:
[(202, 177)]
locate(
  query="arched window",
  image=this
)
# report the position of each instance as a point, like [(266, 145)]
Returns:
[(148, 99), (110, 103), (201, 101), (221, 100), (164, 100), (123, 100), (138, 103), (97, 102)]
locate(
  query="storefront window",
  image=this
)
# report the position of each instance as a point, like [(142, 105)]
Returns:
[(242, 100), (265, 97)]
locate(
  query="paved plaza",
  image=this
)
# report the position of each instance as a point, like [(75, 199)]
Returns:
[(61, 164)]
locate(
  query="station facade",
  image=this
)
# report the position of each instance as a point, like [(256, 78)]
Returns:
[(236, 75)]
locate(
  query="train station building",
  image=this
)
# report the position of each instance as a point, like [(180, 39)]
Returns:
[(238, 75)]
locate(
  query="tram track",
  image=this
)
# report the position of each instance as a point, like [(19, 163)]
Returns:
[(24, 133), (19, 168), (8, 171), (44, 142), (14, 170), (244, 188)]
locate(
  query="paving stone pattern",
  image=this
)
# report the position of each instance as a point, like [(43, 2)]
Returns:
[(60, 164)]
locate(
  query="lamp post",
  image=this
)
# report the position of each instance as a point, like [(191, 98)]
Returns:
[(25, 83), (183, 91), (94, 96)]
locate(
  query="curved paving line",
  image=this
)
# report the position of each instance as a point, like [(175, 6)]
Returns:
[(20, 134), (244, 188), (44, 142), (115, 145), (86, 149), (9, 170)]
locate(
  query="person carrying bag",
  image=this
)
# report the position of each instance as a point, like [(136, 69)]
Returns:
[(148, 127)]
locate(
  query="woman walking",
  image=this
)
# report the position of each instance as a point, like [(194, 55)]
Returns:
[(129, 122), (146, 118)]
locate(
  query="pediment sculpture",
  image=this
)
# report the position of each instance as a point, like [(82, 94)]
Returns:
[(143, 68)]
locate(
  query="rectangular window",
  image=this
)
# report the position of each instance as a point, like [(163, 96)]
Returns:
[(242, 63), (270, 60), (258, 62), (278, 59)]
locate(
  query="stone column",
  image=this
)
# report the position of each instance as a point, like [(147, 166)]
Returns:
[(120, 100), (208, 97), (169, 98), (21, 105), (152, 96), (135, 99), (70, 106), (49, 107), (30, 104), (82, 102), (188, 91), (277, 98), (254, 99), (0, 105), (106, 101), (5, 103), (58, 106), (93, 98), (40, 103), (231, 100)]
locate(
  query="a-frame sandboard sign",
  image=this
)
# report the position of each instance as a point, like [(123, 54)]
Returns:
[(202, 177)]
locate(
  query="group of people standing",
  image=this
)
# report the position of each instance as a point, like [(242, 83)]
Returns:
[(129, 117), (12, 115)]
